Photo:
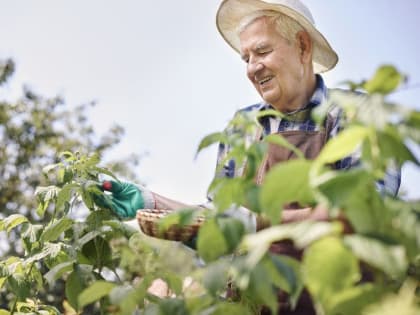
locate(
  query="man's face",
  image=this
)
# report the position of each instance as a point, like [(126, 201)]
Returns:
[(274, 65)]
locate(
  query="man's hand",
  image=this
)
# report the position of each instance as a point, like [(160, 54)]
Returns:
[(319, 213), (125, 198)]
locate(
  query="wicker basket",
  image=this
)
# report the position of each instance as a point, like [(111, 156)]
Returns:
[(148, 220)]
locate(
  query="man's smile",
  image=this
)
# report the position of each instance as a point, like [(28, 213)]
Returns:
[(265, 80)]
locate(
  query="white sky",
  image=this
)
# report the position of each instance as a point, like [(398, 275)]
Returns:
[(161, 70)]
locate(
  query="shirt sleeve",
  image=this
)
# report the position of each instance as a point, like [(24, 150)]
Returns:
[(391, 182), (224, 168)]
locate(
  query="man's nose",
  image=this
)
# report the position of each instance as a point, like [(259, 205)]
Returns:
[(254, 68)]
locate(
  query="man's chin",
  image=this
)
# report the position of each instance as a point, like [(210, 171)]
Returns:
[(269, 98)]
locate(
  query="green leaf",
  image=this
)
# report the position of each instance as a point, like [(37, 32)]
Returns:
[(68, 175), (232, 230), (121, 227), (66, 155), (45, 195), (209, 140), (302, 234), (2, 281), (174, 282), (329, 268), (4, 312), (211, 243), (31, 232), (83, 276), (87, 199), (13, 221), (404, 303), (252, 197), (105, 171), (129, 298), (286, 182), (180, 217), (119, 293), (392, 146), (228, 191), (20, 285), (97, 218), (284, 264), (150, 309), (57, 271), (50, 167), (91, 235), (353, 300), (65, 195), (35, 277), (48, 250), (92, 160), (406, 224), (172, 307), (365, 209), (225, 308), (133, 299), (55, 229), (42, 207), (49, 310), (98, 251), (342, 186), (74, 285), (344, 144), (391, 259), (413, 119), (215, 276), (386, 79), (96, 291), (200, 304), (281, 273), (260, 290)]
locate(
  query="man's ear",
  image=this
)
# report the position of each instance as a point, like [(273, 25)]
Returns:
[(304, 41)]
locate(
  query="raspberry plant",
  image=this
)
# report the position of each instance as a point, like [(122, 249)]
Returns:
[(106, 266)]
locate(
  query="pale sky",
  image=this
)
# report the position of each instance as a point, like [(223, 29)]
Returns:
[(161, 70)]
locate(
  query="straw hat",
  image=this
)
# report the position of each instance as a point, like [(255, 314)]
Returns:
[(231, 12)]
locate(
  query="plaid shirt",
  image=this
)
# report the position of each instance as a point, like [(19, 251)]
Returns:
[(301, 120)]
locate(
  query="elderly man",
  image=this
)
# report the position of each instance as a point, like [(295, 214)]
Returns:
[(284, 54)]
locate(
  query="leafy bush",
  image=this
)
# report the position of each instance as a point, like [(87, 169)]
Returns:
[(107, 266)]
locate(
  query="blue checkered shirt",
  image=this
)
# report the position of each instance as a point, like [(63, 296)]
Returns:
[(302, 121)]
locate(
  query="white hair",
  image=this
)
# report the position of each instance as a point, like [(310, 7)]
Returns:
[(285, 25)]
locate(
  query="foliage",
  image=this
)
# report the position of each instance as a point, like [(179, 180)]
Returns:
[(107, 267), (33, 130)]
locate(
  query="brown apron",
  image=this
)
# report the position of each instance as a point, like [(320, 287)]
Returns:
[(310, 144)]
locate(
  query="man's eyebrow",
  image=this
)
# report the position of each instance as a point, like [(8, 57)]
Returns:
[(261, 46), (258, 47)]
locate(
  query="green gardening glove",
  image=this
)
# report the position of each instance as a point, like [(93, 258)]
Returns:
[(125, 198)]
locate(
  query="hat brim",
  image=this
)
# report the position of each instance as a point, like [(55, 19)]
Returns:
[(231, 13)]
